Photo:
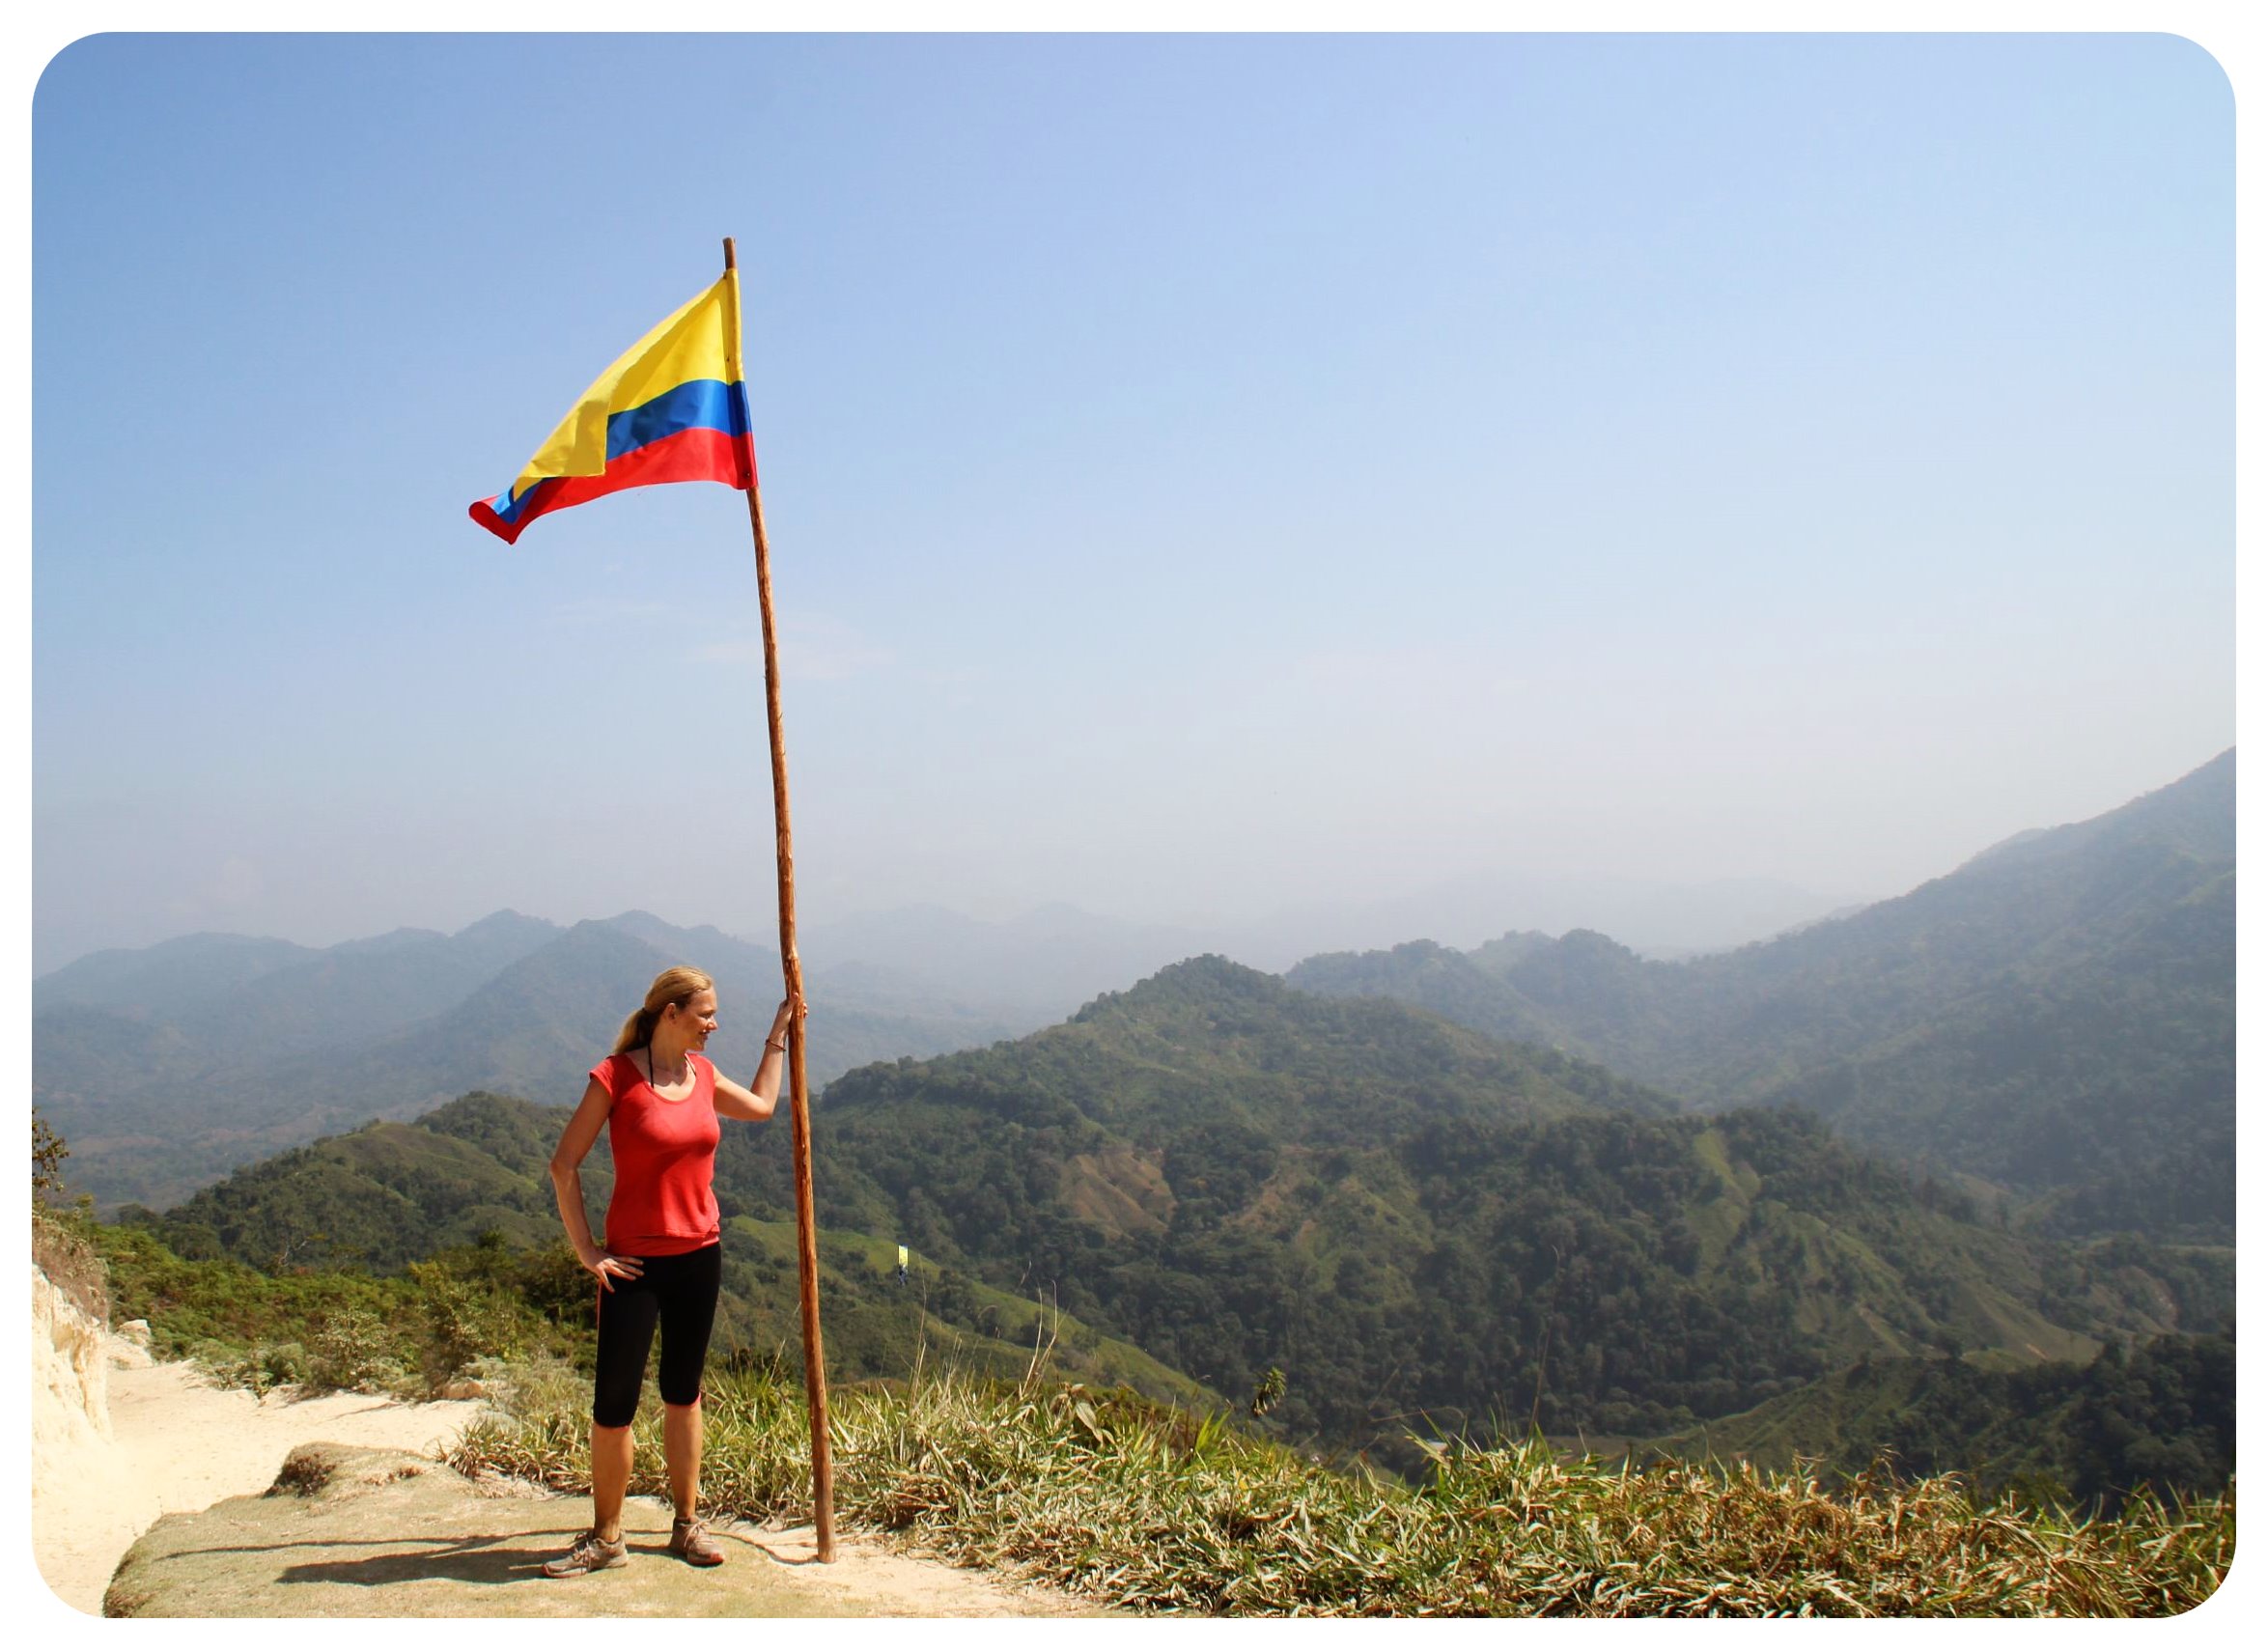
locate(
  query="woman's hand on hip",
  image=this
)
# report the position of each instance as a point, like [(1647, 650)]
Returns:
[(606, 1267)]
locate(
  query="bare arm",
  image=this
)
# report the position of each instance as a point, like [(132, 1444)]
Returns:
[(567, 1187), (756, 1103)]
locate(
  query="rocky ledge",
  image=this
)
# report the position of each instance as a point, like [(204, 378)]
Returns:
[(379, 1532)]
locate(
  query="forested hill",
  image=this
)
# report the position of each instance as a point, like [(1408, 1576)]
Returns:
[(388, 1193), (2058, 1016), (1414, 1221), (2162, 1411), (474, 1176), (1214, 1174)]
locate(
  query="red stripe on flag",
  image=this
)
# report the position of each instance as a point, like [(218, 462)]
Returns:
[(691, 455)]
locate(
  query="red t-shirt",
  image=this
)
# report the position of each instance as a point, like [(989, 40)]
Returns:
[(664, 1159)]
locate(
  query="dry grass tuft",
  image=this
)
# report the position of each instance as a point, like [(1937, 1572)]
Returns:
[(1117, 1498), (61, 1250)]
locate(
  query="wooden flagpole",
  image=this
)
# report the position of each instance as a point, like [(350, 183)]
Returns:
[(823, 1468)]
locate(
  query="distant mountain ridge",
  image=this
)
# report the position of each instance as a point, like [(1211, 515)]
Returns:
[(1039, 966), (1030, 968), (2095, 959), (166, 1069), (2067, 992), (167, 975)]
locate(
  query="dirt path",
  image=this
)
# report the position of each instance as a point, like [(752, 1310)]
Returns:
[(182, 1445), (384, 1533), (415, 1539)]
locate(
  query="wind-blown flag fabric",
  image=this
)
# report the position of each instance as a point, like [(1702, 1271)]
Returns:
[(673, 408)]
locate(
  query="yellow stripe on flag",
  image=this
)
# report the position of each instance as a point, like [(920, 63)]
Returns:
[(688, 346)]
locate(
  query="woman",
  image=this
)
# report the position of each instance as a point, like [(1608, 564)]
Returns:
[(658, 1099)]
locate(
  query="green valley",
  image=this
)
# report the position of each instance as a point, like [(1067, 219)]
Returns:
[(1430, 1231)]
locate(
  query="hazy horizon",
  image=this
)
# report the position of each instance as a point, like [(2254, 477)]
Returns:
[(1208, 477), (1642, 915)]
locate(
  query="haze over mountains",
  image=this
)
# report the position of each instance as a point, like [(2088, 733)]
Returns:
[(1045, 963), (1037, 966), (165, 1068), (2054, 1018), (1930, 1166)]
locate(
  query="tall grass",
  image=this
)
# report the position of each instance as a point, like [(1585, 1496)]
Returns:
[(1135, 1505)]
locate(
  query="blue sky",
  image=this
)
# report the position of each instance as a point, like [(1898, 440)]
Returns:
[(1203, 474)]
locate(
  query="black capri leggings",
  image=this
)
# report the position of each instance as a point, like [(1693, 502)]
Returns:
[(680, 1290)]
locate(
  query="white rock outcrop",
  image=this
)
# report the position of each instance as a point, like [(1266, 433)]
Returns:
[(118, 1442), (71, 1376)]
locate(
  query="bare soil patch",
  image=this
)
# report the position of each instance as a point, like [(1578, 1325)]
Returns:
[(377, 1533)]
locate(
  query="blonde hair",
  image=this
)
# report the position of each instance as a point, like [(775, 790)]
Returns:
[(670, 985)]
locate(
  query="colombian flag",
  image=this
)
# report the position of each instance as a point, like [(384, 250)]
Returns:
[(674, 408)]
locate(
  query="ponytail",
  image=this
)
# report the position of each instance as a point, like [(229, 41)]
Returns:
[(636, 1031), (670, 985)]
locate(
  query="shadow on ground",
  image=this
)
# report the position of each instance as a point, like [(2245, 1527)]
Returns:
[(333, 1538)]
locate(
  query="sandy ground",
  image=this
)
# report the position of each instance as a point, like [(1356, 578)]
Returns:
[(387, 1534), (183, 1445)]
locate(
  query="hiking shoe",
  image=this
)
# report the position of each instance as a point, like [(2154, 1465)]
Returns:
[(588, 1554), (689, 1539)]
